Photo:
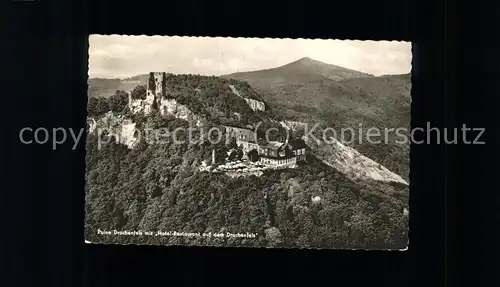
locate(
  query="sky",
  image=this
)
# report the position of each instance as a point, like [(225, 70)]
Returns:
[(116, 56)]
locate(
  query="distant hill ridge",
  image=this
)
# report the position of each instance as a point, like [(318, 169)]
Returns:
[(302, 70), (311, 91), (308, 90)]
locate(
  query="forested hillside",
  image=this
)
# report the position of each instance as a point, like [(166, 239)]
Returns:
[(158, 186), (314, 92), (154, 188), (213, 98)]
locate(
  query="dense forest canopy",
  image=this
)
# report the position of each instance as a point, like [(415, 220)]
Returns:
[(117, 103), (156, 188), (209, 97), (213, 98), (308, 90)]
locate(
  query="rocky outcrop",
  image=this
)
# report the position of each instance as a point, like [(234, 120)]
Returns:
[(92, 124), (293, 125), (140, 106), (172, 107), (121, 129), (254, 104), (351, 162), (166, 106)]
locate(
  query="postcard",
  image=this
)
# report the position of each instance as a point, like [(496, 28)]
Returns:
[(248, 142)]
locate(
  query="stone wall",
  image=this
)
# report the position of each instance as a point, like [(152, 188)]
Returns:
[(171, 107), (122, 130)]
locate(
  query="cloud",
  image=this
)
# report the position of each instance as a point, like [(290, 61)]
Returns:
[(123, 56)]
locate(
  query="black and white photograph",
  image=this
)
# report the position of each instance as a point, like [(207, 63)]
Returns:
[(248, 142)]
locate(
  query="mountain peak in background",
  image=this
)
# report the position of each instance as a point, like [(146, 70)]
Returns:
[(307, 61), (310, 91), (329, 71), (302, 70)]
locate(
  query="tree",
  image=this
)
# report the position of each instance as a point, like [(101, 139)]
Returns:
[(164, 85), (92, 106), (220, 156), (139, 93), (232, 155), (273, 236), (118, 102), (151, 83), (236, 154), (253, 155), (232, 143), (98, 106), (239, 154), (102, 106)]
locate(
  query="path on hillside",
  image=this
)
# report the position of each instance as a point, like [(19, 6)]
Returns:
[(235, 91)]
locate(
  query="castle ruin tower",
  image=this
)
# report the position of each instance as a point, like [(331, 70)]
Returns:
[(129, 93), (154, 87), (158, 82)]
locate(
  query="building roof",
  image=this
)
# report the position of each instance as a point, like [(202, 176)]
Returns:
[(273, 145), (297, 143)]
